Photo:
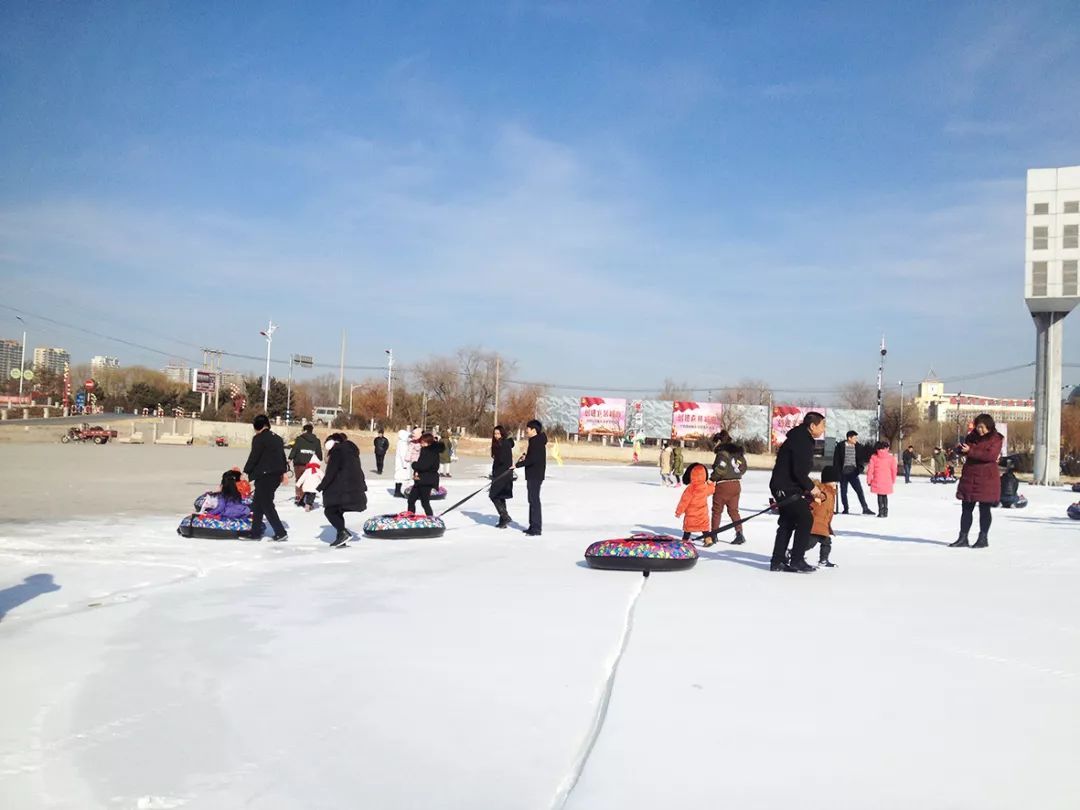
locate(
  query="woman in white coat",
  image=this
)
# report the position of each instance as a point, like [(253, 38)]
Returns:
[(403, 473)]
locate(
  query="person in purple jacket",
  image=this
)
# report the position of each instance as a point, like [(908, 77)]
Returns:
[(229, 503)]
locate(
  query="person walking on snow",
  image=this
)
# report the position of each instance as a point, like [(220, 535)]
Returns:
[(980, 481), (381, 446), (304, 449), (534, 461), (344, 487), (426, 473), (310, 479), (822, 509), (728, 468), (791, 486), (402, 466), (849, 460), (446, 456), (881, 476), (266, 466), (678, 466), (502, 480), (940, 461), (667, 453), (693, 506), (909, 457)]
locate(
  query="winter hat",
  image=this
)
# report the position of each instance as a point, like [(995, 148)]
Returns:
[(329, 444)]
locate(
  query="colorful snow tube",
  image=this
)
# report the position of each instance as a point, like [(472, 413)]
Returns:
[(437, 494), (1074, 511), (1076, 487), (213, 527), (404, 526), (943, 479), (642, 552)]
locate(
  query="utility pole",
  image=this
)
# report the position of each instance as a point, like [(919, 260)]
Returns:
[(341, 378), (498, 361), (901, 415), (880, 374), (389, 384), (269, 335)]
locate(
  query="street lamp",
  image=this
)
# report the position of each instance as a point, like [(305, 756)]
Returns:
[(389, 384), (269, 335), (22, 359), (304, 361), (351, 389)]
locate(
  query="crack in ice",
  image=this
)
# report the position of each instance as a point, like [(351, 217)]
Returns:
[(562, 796)]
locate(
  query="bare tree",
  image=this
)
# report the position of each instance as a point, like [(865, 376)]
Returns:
[(859, 395), (747, 392), (675, 391)]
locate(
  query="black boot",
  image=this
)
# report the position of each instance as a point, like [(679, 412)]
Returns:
[(961, 541), (343, 537), (982, 542), (739, 539), (397, 491), (504, 519)]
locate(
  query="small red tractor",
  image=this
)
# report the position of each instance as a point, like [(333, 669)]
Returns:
[(88, 433)]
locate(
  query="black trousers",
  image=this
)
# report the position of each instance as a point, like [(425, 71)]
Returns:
[(967, 514), (262, 503), (423, 494), (379, 459), (535, 514), (500, 507), (856, 484), (795, 518), (336, 516)]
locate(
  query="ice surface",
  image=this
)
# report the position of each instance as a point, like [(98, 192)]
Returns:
[(470, 671)]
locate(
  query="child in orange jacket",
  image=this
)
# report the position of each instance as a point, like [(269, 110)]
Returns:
[(693, 506), (822, 510)]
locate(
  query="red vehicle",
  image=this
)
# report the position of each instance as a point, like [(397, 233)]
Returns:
[(88, 433)]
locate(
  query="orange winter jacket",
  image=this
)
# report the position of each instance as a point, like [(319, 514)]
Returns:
[(823, 511), (694, 503)]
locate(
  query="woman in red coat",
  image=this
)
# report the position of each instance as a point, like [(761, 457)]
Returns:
[(980, 481)]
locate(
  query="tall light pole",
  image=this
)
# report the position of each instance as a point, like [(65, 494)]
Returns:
[(880, 374), (269, 335), (498, 361), (22, 359), (901, 414), (389, 384)]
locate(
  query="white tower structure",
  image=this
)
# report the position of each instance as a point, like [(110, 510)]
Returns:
[(1051, 290)]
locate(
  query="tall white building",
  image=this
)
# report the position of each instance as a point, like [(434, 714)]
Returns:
[(101, 362), (10, 357), (51, 359), (1051, 290), (934, 403), (178, 371)]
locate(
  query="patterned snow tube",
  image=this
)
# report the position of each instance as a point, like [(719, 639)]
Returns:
[(1076, 487), (1014, 502), (943, 479), (436, 494), (212, 527), (642, 552), (403, 526), (1074, 511)]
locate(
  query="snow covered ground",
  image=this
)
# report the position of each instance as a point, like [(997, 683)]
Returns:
[(490, 670)]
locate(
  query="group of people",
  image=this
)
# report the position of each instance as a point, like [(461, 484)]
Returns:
[(806, 506), (722, 482)]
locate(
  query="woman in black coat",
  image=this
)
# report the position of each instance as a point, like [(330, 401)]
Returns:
[(343, 486), (425, 473), (502, 459)]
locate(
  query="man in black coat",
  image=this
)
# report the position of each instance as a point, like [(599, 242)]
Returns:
[(265, 467), (849, 458), (381, 446), (791, 486), (344, 487), (534, 460)]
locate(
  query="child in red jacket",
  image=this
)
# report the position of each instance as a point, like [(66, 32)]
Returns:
[(693, 506)]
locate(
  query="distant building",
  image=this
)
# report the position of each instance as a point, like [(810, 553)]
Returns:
[(936, 405), (101, 362), (51, 359), (10, 357), (179, 372)]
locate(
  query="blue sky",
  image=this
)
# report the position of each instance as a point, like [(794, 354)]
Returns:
[(610, 193)]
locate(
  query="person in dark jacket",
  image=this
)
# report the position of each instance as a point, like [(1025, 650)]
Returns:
[(850, 460), (306, 447), (534, 460), (502, 481), (382, 445), (909, 457), (728, 467), (791, 486), (344, 487), (425, 473), (266, 466), (980, 482)]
